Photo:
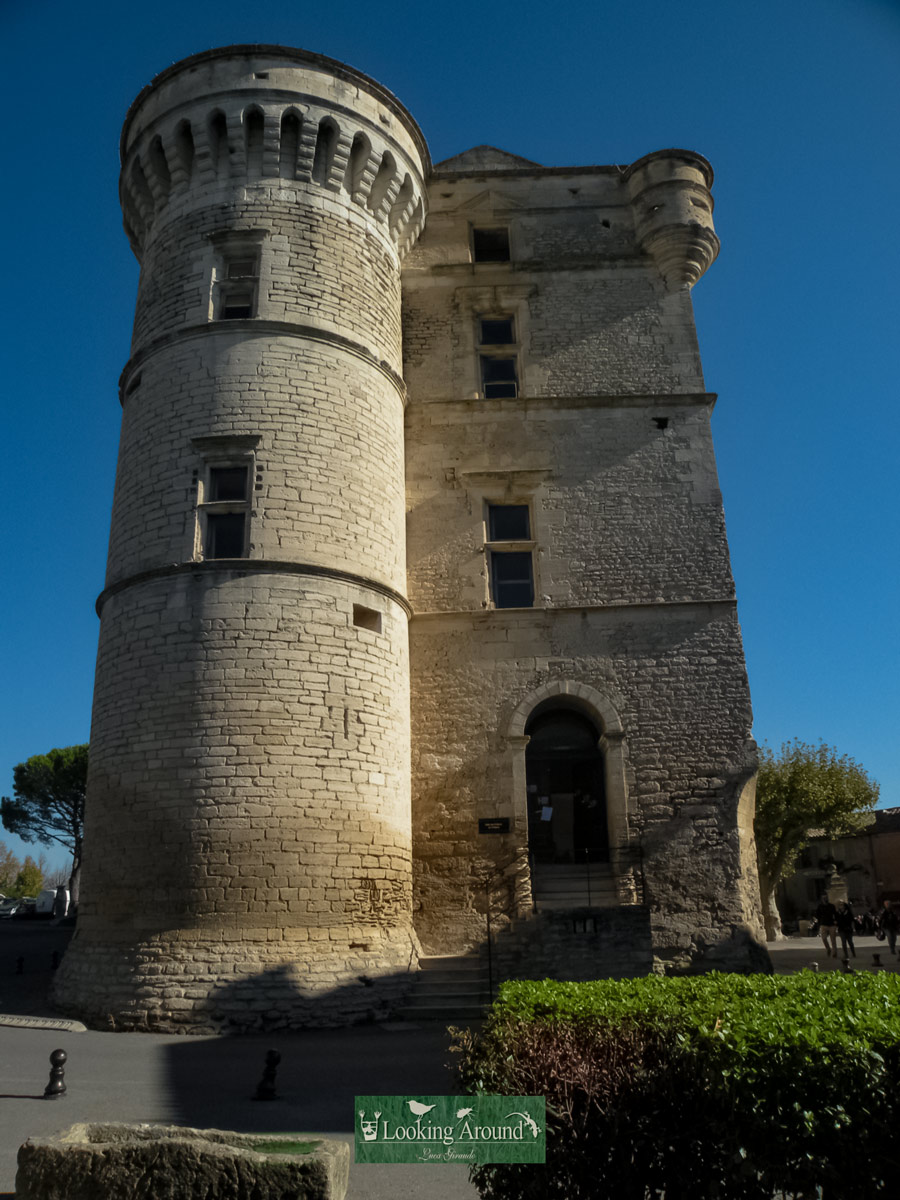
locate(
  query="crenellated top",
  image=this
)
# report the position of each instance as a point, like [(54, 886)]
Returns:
[(251, 116)]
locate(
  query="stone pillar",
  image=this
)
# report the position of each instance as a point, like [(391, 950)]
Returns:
[(247, 843)]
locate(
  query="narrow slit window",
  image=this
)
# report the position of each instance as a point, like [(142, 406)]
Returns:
[(490, 245), (367, 618)]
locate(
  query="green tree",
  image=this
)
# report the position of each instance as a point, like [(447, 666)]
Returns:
[(800, 788), (48, 803), (9, 869), (30, 880)]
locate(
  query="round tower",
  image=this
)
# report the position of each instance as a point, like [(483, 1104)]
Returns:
[(247, 836)]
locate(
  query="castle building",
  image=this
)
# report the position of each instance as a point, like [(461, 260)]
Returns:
[(418, 604)]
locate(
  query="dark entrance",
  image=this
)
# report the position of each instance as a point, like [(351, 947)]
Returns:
[(566, 797)]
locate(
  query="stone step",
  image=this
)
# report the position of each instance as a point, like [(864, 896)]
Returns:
[(454, 1013), (456, 963), (453, 987)]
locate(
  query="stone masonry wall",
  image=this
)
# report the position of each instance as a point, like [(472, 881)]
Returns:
[(329, 459)]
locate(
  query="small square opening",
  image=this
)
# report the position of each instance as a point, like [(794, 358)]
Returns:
[(490, 245), (367, 618), (508, 523), (237, 305), (228, 483), (497, 331)]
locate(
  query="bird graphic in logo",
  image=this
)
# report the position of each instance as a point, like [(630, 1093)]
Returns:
[(419, 1110)]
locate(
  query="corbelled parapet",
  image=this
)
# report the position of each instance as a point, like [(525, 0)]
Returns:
[(673, 207), (246, 115)]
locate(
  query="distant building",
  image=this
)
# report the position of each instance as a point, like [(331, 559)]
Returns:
[(418, 598), (868, 862)]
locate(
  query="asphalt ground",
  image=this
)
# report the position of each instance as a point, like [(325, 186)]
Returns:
[(209, 1081)]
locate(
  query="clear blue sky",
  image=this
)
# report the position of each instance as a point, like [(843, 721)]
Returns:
[(795, 103)]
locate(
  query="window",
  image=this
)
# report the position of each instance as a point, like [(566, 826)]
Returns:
[(237, 290), (499, 368), (497, 331), (235, 286), (490, 245), (224, 510), (511, 566)]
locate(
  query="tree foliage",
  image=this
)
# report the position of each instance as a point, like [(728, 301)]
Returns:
[(800, 788), (48, 802), (20, 878)]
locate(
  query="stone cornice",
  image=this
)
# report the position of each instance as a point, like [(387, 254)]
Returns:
[(523, 404), (499, 614), (260, 327), (250, 566)]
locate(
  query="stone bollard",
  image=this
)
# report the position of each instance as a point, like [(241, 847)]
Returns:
[(57, 1085), (814, 966), (266, 1088)]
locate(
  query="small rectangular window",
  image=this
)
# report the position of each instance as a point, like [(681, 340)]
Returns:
[(241, 268), (225, 535), (499, 377), (512, 579), (227, 483), (509, 523), (497, 331), (236, 305), (367, 618), (490, 245)]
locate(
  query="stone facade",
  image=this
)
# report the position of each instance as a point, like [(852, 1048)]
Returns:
[(307, 698)]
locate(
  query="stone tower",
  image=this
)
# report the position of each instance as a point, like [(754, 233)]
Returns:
[(249, 814), (393, 640)]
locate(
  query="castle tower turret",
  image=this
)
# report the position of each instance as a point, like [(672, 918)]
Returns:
[(248, 822)]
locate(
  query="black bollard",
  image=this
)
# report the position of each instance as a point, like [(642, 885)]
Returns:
[(57, 1085), (20, 966), (266, 1088), (876, 960), (54, 960), (845, 966), (814, 966)]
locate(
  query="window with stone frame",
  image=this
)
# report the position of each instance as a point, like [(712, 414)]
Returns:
[(509, 548), (498, 357), (225, 481), (490, 244), (235, 292)]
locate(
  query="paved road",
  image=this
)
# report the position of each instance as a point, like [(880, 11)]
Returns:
[(208, 1081)]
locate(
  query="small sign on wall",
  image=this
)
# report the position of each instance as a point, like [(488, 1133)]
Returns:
[(493, 824)]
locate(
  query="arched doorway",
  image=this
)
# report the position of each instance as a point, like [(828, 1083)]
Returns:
[(564, 771)]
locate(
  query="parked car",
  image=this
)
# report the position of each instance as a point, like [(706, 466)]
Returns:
[(27, 909), (8, 908)]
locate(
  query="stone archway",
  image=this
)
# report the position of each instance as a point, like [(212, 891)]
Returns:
[(592, 703)]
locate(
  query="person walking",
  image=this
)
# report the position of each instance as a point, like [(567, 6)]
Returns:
[(846, 926), (826, 915), (889, 923)]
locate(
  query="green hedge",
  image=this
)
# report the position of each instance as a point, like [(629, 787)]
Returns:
[(731, 1086)]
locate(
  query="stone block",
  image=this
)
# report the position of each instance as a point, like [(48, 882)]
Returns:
[(166, 1162)]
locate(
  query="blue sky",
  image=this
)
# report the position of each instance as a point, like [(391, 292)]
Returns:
[(795, 103)]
